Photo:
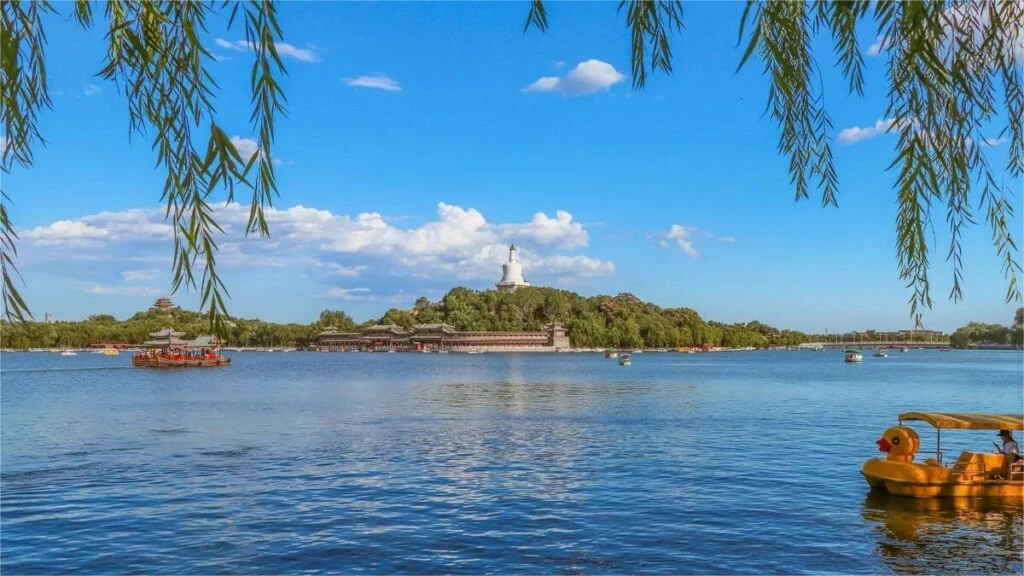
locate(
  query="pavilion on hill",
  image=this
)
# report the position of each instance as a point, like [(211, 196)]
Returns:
[(163, 304)]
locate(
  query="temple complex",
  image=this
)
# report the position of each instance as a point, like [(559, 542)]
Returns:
[(442, 338), (512, 272)]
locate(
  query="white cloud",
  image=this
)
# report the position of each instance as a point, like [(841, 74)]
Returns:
[(559, 64), (855, 134), (559, 230), (378, 81), (347, 271), (138, 225), (877, 47), (587, 77), (247, 148), (91, 90), (686, 236), (991, 142), (579, 265), (681, 235), (126, 291), (284, 49), (348, 293), (138, 275), (459, 244), (716, 238)]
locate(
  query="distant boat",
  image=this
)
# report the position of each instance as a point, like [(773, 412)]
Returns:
[(625, 360), (68, 353), (879, 353), (904, 349), (111, 352), (611, 354), (853, 355)]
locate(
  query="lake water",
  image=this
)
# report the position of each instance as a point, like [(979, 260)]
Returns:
[(413, 463)]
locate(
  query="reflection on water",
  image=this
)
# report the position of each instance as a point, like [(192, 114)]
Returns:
[(490, 463), (947, 535)]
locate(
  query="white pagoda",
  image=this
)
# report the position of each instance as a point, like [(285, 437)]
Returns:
[(512, 272)]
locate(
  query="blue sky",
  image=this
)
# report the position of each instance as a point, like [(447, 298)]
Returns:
[(422, 138)]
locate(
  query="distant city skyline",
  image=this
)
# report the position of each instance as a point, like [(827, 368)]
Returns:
[(413, 156)]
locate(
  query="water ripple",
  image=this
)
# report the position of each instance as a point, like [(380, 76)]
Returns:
[(360, 464)]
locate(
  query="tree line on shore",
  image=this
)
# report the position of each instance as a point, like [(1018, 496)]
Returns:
[(622, 321), (976, 333)]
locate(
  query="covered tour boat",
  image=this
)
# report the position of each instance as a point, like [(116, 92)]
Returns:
[(853, 355), (166, 349), (973, 474)]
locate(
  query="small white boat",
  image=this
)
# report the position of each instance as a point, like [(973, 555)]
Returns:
[(68, 353), (625, 360), (880, 354)]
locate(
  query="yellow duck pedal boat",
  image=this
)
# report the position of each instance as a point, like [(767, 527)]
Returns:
[(973, 474)]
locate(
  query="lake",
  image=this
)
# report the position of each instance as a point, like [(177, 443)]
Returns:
[(744, 462)]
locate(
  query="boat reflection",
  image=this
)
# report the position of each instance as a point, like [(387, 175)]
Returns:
[(945, 535)]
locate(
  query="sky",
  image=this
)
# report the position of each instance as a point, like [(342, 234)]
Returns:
[(423, 138)]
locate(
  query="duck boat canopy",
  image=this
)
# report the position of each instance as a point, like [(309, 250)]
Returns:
[(966, 420), (973, 474)]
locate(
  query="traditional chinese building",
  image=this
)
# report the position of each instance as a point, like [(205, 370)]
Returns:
[(443, 337), (163, 304), (168, 337)]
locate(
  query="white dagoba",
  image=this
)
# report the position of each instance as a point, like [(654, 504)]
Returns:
[(512, 272)]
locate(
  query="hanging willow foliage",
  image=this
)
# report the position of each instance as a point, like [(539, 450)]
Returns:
[(156, 58), (951, 67)]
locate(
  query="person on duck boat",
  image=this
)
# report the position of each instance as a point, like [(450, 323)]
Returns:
[(1009, 449)]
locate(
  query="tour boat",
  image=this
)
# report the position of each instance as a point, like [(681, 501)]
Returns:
[(853, 355), (973, 474), (611, 354), (171, 359), (167, 350), (625, 360)]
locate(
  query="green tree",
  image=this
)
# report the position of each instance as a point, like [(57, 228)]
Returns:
[(103, 318), (951, 65), (338, 319)]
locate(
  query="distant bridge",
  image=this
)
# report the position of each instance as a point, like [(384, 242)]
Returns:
[(876, 343)]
